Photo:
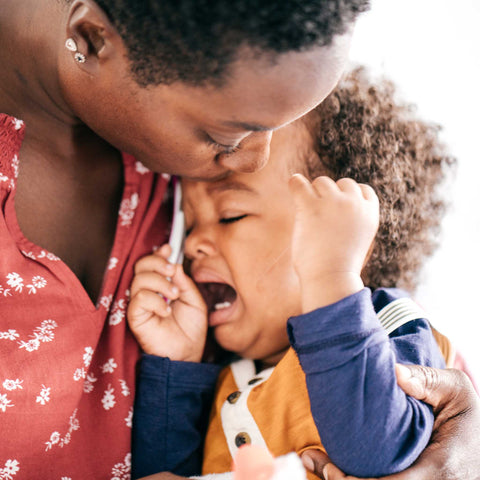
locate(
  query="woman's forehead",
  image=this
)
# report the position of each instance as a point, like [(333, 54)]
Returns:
[(263, 95)]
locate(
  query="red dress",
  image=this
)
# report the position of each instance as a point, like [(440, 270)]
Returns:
[(67, 366)]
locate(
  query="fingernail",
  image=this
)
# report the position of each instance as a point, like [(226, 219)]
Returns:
[(308, 463), (404, 374), (174, 290), (170, 268), (169, 310), (325, 473), (403, 371)]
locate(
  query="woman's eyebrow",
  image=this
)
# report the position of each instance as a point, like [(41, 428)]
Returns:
[(225, 185), (250, 127)]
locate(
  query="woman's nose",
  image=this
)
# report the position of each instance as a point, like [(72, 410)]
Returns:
[(252, 155)]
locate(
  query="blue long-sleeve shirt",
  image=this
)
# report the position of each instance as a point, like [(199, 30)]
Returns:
[(366, 422)]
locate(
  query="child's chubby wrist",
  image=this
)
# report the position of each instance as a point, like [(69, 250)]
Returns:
[(328, 288)]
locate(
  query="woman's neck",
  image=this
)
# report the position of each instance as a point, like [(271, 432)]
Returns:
[(30, 36)]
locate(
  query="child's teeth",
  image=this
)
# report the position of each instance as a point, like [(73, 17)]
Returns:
[(219, 306)]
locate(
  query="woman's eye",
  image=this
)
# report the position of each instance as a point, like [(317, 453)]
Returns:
[(232, 219), (228, 149)]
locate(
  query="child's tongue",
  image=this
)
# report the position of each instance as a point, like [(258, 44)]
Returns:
[(217, 295)]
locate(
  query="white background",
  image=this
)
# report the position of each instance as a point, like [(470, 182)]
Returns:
[(431, 50)]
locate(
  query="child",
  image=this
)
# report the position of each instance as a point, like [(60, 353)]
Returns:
[(265, 250)]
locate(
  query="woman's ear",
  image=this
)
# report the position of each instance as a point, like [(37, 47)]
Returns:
[(91, 36)]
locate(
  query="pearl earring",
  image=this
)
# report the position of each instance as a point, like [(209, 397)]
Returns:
[(71, 45)]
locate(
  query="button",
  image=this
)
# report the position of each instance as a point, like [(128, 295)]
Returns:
[(242, 438), (233, 397), (253, 381)]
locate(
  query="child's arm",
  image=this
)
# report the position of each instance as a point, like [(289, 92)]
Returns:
[(172, 405), (174, 394), (367, 424), (167, 317)]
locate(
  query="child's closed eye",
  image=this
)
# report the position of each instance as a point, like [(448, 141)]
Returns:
[(227, 220)]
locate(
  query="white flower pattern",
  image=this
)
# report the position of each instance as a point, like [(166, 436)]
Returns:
[(44, 396), (127, 210), (125, 389), (15, 166), (15, 281), (79, 374), (87, 356), (42, 255), (141, 168), (9, 335), (13, 384), (112, 263), (4, 402), (88, 385), (118, 312), (17, 124), (110, 366), (43, 333), (57, 440), (9, 470), (121, 471), (129, 418), (108, 399), (106, 301), (37, 283)]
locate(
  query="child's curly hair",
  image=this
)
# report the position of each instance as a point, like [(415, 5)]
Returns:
[(361, 132)]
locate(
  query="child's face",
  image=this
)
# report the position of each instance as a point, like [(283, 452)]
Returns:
[(239, 240)]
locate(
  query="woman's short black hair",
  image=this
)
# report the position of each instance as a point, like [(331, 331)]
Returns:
[(194, 41)]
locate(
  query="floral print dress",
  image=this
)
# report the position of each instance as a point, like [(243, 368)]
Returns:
[(67, 366)]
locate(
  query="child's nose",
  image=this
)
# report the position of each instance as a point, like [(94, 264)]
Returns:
[(199, 244)]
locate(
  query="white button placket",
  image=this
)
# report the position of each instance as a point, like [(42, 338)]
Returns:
[(238, 423)]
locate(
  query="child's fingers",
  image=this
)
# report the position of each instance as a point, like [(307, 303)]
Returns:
[(189, 292), (325, 186), (155, 263), (349, 185), (368, 192), (302, 191), (144, 306), (165, 251), (155, 283)]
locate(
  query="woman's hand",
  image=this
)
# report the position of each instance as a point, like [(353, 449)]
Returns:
[(166, 312), (453, 451)]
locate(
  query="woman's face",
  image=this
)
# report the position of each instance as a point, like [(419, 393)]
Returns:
[(205, 132)]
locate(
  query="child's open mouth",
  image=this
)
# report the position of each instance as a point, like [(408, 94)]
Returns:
[(219, 297)]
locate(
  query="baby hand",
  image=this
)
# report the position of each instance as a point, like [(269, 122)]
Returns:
[(177, 329), (335, 224)]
